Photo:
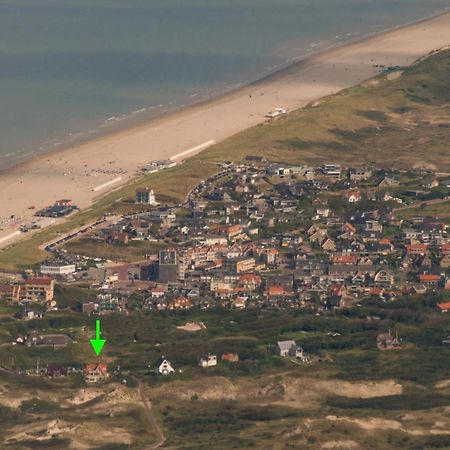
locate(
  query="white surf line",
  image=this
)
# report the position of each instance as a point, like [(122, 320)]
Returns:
[(9, 236), (193, 149), (108, 183)]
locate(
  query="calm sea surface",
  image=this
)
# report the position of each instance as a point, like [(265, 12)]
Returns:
[(72, 68)]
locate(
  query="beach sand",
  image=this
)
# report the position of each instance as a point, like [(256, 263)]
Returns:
[(78, 173)]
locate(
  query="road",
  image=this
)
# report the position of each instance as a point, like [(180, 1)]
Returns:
[(425, 202), (159, 436)]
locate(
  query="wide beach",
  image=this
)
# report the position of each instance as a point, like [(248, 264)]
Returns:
[(85, 172)]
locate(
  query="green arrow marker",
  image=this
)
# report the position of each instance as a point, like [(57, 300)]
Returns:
[(97, 343)]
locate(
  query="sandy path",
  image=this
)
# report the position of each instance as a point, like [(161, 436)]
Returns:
[(159, 436), (75, 173)]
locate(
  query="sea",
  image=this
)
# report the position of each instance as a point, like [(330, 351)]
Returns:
[(71, 70)]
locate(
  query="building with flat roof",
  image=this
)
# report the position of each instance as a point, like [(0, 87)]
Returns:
[(57, 269), (168, 266), (40, 289)]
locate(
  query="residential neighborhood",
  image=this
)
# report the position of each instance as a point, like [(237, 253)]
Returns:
[(256, 235)]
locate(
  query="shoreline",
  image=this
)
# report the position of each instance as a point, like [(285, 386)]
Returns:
[(74, 171), (272, 75)]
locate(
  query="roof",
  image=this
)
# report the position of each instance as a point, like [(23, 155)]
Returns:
[(275, 290), (286, 345), (444, 306), (39, 281), (423, 247), (101, 367), (344, 259), (429, 277)]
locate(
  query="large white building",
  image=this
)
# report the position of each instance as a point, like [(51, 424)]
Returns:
[(57, 269)]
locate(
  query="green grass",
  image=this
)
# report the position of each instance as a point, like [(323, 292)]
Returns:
[(133, 251), (438, 210)]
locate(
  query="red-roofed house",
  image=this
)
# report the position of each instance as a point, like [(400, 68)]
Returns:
[(239, 303), (445, 249), (277, 291), (417, 249), (427, 278), (180, 303), (345, 259), (353, 196), (95, 373), (348, 228), (270, 255), (444, 307)]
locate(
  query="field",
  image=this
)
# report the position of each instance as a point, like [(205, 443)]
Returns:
[(399, 122), (440, 210), (350, 392)]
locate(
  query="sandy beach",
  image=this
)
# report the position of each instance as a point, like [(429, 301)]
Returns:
[(88, 171)]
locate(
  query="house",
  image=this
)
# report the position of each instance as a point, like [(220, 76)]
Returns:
[(332, 170), (117, 237), (445, 262), (239, 303), (428, 279), (353, 196), (360, 175), (417, 249), (208, 361), (10, 292), (34, 339), (388, 182), (181, 302), (95, 373), (445, 249), (164, 367), (230, 357), (56, 371), (328, 245), (89, 307), (288, 348), (384, 278), (145, 196), (385, 341), (29, 314), (385, 246), (269, 255), (444, 307)]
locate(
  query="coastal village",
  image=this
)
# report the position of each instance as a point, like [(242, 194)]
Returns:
[(254, 235), (190, 260)]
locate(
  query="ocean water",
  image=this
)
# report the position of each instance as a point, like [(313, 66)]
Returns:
[(70, 69)]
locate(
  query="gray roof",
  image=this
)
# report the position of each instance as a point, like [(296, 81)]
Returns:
[(286, 345)]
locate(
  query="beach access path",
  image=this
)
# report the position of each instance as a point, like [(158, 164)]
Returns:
[(77, 173)]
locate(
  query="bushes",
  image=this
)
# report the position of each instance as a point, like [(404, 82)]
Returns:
[(407, 402)]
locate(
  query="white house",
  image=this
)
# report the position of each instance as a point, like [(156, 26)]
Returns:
[(145, 196), (164, 367), (208, 361), (288, 348)]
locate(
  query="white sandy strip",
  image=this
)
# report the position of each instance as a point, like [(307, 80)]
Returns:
[(193, 149), (108, 183), (9, 236)]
